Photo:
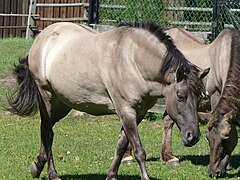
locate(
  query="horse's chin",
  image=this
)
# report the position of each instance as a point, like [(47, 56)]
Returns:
[(190, 144), (220, 171), (217, 174)]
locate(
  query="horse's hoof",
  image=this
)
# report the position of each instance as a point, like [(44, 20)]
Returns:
[(128, 160), (107, 178), (173, 162), (34, 170)]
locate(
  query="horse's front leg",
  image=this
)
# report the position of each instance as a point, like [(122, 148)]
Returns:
[(130, 133), (166, 152)]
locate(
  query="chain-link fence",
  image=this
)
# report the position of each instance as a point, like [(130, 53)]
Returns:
[(193, 15), (229, 14)]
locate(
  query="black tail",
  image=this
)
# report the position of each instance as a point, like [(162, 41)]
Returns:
[(25, 100)]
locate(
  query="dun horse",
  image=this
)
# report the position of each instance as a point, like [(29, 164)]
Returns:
[(221, 132), (121, 71)]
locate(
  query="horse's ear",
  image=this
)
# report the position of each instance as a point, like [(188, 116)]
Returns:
[(203, 73), (180, 73), (225, 124), (231, 115)]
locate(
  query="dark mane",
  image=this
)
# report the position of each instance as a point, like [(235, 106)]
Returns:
[(230, 98), (174, 58)]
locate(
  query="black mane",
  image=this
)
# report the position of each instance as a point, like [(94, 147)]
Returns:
[(174, 58)]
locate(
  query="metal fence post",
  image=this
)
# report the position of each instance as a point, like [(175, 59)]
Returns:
[(93, 14), (215, 20), (30, 22)]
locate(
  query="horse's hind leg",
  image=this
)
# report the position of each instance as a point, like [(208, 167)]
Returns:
[(51, 111), (127, 157), (120, 150), (166, 152)]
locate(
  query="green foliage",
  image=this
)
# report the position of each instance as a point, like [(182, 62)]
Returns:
[(150, 116), (11, 50), (148, 10)]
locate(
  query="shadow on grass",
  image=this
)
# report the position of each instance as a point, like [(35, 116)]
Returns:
[(234, 161), (97, 177), (204, 161), (153, 159), (201, 160)]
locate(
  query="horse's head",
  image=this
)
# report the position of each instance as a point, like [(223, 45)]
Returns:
[(182, 97), (222, 137)]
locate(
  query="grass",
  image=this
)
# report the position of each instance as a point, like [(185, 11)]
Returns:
[(11, 50), (83, 146)]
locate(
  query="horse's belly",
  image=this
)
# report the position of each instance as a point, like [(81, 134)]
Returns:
[(94, 102), (95, 109)]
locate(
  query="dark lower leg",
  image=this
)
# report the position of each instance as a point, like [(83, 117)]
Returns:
[(52, 173), (128, 151), (166, 152), (120, 149), (37, 166)]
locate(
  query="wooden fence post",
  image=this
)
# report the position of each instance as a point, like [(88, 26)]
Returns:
[(30, 22)]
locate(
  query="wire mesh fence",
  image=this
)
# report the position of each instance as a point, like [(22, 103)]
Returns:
[(229, 14), (192, 15), (197, 15)]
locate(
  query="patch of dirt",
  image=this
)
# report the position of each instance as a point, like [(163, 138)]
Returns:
[(8, 81)]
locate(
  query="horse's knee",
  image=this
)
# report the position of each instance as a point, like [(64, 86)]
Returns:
[(140, 154)]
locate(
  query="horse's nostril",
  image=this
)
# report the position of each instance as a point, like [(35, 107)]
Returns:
[(189, 136), (218, 173), (210, 175)]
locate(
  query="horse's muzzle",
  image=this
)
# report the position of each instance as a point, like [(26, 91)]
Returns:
[(189, 139)]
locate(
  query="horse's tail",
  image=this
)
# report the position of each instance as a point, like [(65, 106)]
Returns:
[(25, 100)]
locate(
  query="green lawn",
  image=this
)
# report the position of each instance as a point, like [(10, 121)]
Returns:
[(83, 146)]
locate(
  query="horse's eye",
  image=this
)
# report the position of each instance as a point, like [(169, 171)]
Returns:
[(181, 97)]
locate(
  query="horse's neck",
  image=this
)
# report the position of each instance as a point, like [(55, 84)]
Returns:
[(220, 51), (152, 49), (184, 39), (191, 46)]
